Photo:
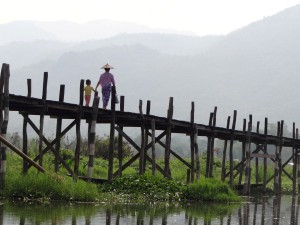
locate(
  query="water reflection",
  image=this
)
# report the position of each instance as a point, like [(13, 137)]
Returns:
[(262, 211)]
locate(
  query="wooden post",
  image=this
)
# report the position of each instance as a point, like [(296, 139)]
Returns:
[(5, 73), (280, 153), (148, 107), (247, 184), (212, 145), (25, 137), (44, 97), (231, 149), (112, 134), (256, 159), (298, 161), (120, 139), (265, 159), (225, 153), (197, 155), (168, 138), (153, 147), (92, 137), (58, 127), (78, 133), (142, 151), (242, 167), (208, 151), (192, 142), (276, 172), (294, 151), (188, 176)]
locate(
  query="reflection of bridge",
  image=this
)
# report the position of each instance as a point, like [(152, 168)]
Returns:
[(150, 125)]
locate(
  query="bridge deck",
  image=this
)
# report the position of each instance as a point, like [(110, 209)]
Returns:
[(34, 106)]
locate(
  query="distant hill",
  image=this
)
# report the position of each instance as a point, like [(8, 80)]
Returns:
[(67, 31), (253, 70)]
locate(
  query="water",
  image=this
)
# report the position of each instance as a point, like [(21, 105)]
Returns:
[(263, 211)]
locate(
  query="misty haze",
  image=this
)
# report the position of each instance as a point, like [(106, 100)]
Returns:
[(253, 70)]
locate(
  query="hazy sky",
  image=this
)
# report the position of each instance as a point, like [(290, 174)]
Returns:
[(199, 16)]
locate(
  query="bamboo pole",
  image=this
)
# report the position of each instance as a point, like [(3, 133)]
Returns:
[(25, 136), (142, 151), (92, 137), (58, 127), (223, 172), (168, 138), (44, 97), (120, 139), (112, 135)]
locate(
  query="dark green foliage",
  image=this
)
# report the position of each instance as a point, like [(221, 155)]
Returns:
[(151, 187), (209, 190)]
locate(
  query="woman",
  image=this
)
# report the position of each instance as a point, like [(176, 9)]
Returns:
[(105, 81)]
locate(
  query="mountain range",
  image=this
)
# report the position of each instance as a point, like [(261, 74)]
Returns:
[(253, 70)]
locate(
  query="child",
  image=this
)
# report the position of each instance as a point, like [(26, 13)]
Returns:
[(88, 92)]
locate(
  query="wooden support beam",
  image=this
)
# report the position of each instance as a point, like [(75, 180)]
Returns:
[(231, 149), (112, 134), (168, 138), (142, 150), (247, 183), (265, 150), (135, 157), (78, 133), (197, 154), (223, 172), (242, 167), (20, 153), (50, 145), (256, 158), (4, 117), (208, 149), (212, 145), (120, 139), (42, 115), (192, 143), (92, 137), (294, 161), (153, 147), (25, 136), (58, 127), (148, 107)]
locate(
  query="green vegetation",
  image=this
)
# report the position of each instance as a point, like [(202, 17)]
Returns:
[(45, 187), (129, 188)]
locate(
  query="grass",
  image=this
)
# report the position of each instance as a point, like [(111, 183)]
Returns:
[(130, 187)]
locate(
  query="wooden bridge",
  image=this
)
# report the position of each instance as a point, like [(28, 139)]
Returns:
[(154, 130)]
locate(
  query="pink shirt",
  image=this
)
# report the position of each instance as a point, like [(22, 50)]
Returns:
[(106, 79)]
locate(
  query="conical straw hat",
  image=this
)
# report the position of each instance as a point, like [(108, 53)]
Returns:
[(107, 66)]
